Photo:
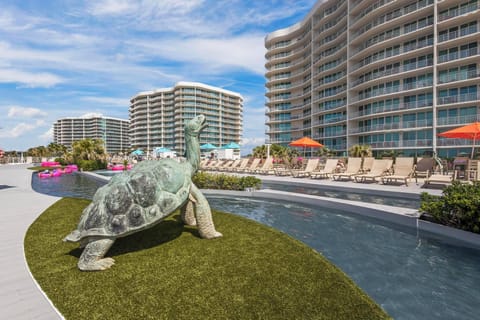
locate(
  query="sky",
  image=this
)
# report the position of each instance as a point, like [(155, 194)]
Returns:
[(68, 58)]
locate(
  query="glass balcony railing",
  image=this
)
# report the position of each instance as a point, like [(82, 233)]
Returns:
[(454, 121), (391, 15), (455, 12), (472, 96), (458, 76), (458, 55), (457, 33), (392, 107)]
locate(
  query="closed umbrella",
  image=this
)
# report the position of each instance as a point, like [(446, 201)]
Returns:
[(470, 132), (305, 142)]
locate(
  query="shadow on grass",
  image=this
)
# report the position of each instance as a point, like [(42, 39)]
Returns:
[(163, 232)]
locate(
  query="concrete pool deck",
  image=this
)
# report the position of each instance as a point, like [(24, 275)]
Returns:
[(20, 297)]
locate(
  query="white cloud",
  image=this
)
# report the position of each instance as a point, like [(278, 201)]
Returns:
[(47, 135), (144, 8), (91, 115), (195, 17), (111, 7), (29, 79), (253, 141), (22, 112), (109, 101), (213, 55), (21, 129)]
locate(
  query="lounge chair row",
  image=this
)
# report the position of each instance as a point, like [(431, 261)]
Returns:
[(255, 166), (372, 170)]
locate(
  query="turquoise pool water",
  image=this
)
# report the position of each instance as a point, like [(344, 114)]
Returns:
[(410, 276)]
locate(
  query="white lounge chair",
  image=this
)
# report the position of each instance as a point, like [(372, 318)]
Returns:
[(311, 166), (354, 165), (240, 167), (251, 168), (380, 168), (438, 178), (402, 170), (266, 168), (327, 171)]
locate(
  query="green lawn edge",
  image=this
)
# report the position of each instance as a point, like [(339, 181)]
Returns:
[(169, 272)]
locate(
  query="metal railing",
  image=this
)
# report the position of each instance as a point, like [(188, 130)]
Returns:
[(455, 12), (473, 96)]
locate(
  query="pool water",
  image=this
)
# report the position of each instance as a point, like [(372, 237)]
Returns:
[(411, 276), (73, 185)]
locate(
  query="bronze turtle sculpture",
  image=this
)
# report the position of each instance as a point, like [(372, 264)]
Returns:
[(139, 199)]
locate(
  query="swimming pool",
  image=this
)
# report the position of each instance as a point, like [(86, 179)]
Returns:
[(410, 276)]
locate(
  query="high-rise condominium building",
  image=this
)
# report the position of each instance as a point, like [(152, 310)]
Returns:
[(114, 132), (390, 74), (157, 117)]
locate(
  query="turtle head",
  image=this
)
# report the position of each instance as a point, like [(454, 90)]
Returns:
[(196, 125)]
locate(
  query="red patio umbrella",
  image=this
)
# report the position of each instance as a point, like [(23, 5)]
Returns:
[(470, 132), (305, 142)]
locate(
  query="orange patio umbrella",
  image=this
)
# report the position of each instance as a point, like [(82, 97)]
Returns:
[(305, 142), (470, 131)]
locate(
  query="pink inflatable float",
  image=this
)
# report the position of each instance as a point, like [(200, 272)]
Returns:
[(50, 164), (48, 174)]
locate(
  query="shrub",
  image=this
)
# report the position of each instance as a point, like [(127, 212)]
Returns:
[(458, 206), (91, 165), (204, 180), (62, 161)]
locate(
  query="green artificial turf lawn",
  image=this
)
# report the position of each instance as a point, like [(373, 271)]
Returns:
[(169, 272)]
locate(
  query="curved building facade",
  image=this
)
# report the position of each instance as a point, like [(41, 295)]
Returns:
[(157, 117), (390, 74)]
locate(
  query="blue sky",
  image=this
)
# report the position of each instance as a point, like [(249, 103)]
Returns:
[(69, 58)]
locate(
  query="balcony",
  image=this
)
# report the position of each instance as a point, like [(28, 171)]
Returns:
[(458, 76), (458, 55), (390, 16), (464, 97), (393, 107), (455, 12), (457, 121), (368, 9), (387, 36), (457, 34)]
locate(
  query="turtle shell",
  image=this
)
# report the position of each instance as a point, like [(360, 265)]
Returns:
[(135, 200)]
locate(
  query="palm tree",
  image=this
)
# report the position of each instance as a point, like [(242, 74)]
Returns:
[(89, 149), (260, 151), (325, 151), (360, 150), (57, 150)]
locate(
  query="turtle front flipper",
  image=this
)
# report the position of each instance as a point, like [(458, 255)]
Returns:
[(203, 215), (92, 258)]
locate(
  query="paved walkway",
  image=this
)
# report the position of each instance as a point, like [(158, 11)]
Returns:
[(20, 297)]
